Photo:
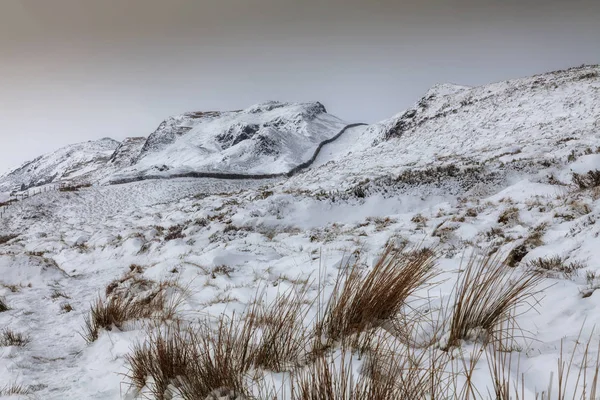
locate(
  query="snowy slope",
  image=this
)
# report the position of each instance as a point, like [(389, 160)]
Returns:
[(493, 129), (467, 170), (267, 138), (65, 163)]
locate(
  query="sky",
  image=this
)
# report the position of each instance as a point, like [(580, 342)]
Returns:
[(77, 70)]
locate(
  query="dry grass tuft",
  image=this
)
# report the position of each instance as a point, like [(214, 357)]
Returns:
[(330, 379), (587, 181), (533, 240), (284, 337), (121, 307), (164, 357), (556, 265), (193, 362), (486, 295), (388, 372), (7, 238), (509, 215), (573, 380), (363, 300), (175, 232), (14, 390), (3, 306), (11, 338)]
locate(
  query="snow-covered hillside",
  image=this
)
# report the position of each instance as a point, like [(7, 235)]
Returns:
[(509, 169), (493, 129), (268, 138), (69, 163)]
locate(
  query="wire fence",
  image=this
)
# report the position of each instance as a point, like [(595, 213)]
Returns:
[(16, 197)]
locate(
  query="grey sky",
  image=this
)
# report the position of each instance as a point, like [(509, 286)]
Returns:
[(74, 70)]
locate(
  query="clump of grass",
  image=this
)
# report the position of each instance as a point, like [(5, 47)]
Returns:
[(164, 357), (556, 265), (585, 375), (14, 390), (224, 270), (194, 361), (587, 181), (533, 240), (7, 238), (389, 372), (365, 300), (471, 212), (486, 295), (509, 215), (3, 306), (118, 309), (175, 232), (66, 307), (58, 294), (11, 338), (419, 219), (106, 314), (284, 338)]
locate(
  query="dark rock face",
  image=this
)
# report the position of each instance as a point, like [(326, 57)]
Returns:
[(171, 128), (127, 152), (237, 134)]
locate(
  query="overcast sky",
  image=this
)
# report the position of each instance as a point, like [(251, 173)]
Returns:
[(75, 70)]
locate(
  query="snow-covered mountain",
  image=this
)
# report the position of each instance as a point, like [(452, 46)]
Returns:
[(68, 163), (492, 132), (268, 138), (482, 170)]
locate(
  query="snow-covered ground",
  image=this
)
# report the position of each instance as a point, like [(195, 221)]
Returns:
[(493, 174)]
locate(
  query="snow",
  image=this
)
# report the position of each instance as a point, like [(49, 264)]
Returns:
[(267, 138), (516, 132)]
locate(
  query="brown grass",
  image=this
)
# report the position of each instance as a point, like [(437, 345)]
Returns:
[(585, 376), (285, 337), (486, 295), (587, 181), (11, 338), (7, 238), (117, 309), (195, 361), (556, 265), (388, 372), (533, 240), (14, 390), (3, 306), (509, 215), (175, 232), (363, 300)]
